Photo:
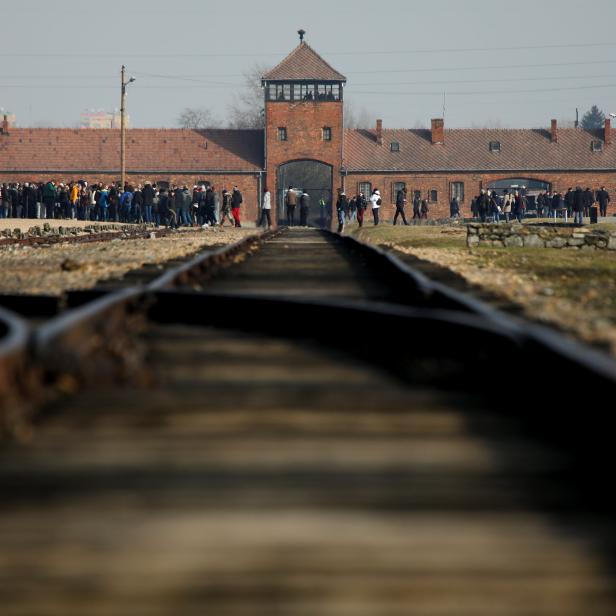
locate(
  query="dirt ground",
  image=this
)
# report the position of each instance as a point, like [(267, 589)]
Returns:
[(571, 289), (50, 270)]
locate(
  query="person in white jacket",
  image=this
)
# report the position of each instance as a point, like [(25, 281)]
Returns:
[(266, 209), (375, 200)]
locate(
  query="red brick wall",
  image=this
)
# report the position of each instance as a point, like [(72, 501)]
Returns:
[(473, 183), (304, 122), (248, 184)]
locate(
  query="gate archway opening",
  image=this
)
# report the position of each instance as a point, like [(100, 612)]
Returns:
[(314, 178)]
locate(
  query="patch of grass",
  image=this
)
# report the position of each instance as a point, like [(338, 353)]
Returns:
[(413, 236), (588, 278)]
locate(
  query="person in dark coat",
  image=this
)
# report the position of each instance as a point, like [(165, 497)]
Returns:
[(210, 206), (483, 205), (137, 213), (603, 197), (589, 199), (425, 208), (416, 207), (148, 202), (342, 205), (578, 206), (454, 208), (569, 196), (304, 208), (361, 203), (400, 203), (236, 202)]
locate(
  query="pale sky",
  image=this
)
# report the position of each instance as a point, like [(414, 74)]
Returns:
[(500, 62)]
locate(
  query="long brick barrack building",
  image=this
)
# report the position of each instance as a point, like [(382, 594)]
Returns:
[(304, 145)]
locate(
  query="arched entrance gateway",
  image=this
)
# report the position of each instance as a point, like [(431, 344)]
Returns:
[(310, 176)]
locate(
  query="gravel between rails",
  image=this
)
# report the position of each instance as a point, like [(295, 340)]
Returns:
[(38, 270)]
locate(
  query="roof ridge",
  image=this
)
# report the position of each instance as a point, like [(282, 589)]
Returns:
[(288, 60), (318, 55)]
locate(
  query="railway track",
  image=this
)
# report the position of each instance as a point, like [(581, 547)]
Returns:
[(302, 425)]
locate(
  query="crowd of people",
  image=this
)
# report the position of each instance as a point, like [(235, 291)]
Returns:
[(492, 207), (172, 206)]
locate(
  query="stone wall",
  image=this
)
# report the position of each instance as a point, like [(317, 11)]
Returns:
[(539, 236)]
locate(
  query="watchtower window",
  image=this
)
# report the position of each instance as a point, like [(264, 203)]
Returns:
[(303, 91), (327, 133), (282, 133)]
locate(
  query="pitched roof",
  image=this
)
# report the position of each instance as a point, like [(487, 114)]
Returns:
[(147, 149), (468, 150), (303, 63)]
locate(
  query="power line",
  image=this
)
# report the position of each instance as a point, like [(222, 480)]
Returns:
[(480, 68), (513, 79), (484, 92), (361, 52)]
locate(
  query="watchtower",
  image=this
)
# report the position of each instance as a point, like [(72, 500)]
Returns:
[(303, 128)]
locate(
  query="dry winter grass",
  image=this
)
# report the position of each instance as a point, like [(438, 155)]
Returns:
[(31, 270), (572, 289)]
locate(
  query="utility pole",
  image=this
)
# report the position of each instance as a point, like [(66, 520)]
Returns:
[(123, 127)]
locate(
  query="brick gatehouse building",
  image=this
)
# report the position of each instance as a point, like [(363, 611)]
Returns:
[(305, 145)]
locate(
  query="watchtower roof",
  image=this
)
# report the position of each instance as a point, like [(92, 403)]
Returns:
[(303, 64)]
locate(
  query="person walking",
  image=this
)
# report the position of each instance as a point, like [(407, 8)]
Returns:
[(361, 204), (304, 209), (603, 197), (266, 209), (342, 205), (375, 201), (454, 208), (400, 203), (210, 207), (236, 202), (291, 204), (416, 206), (424, 209), (225, 211)]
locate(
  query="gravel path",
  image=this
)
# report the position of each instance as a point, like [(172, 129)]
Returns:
[(51, 270)]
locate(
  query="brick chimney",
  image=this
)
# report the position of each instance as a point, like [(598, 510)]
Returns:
[(438, 131), (607, 131), (379, 132), (5, 125), (554, 132)]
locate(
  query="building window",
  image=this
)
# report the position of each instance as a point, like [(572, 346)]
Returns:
[(433, 195), (365, 188), (162, 184), (327, 133), (395, 146), (457, 190), (282, 134), (495, 146), (396, 187), (596, 146)]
